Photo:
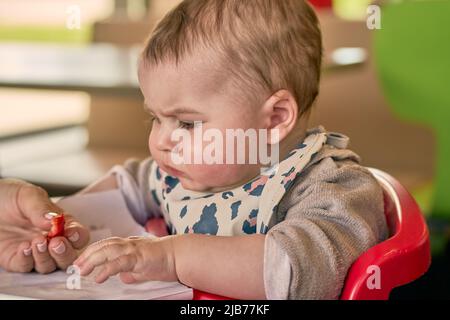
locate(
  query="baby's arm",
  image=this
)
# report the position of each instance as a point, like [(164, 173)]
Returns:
[(227, 266)]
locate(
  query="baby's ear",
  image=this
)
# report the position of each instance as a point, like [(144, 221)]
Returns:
[(281, 112)]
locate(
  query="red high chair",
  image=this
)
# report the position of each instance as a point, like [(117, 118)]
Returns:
[(321, 3), (402, 258)]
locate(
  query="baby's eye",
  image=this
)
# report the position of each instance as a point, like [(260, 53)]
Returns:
[(153, 118), (186, 125)]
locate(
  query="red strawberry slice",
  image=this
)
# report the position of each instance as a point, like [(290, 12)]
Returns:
[(57, 229)]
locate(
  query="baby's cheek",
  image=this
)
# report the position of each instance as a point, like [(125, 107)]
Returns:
[(152, 142), (153, 148)]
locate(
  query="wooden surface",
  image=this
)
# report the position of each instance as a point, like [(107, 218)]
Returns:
[(25, 111), (95, 68), (60, 160)]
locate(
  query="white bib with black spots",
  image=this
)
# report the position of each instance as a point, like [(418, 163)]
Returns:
[(243, 210)]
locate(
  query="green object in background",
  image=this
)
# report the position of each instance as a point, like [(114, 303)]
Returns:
[(412, 52), (423, 196), (45, 34), (351, 9)]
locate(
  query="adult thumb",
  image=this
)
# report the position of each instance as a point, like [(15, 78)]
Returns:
[(35, 204)]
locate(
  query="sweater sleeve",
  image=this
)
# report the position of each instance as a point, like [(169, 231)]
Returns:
[(133, 181), (333, 213)]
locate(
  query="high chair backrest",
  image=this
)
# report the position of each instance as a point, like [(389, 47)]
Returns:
[(402, 258)]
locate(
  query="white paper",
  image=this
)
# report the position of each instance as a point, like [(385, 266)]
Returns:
[(104, 213), (63, 286)]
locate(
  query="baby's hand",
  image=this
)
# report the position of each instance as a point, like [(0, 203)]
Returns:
[(136, 259)]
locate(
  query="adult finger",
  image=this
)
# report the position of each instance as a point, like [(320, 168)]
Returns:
[(34, 204), (22, 260), (62, 252), (43, 262), (77, 234)]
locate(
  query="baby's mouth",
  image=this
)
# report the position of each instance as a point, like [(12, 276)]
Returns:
[(172, 171)]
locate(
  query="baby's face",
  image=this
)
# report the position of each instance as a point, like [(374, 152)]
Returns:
[(194, 91)]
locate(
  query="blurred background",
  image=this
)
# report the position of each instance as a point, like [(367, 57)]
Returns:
[(70, 105)]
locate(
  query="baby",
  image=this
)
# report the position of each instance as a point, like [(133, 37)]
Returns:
[(288, 229)]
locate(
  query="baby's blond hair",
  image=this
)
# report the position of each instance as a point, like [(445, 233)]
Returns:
[(267, 44)]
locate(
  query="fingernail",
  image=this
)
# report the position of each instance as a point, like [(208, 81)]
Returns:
[(27, 252), (50, 215), (75, 237), (60, 248), (42, 247)]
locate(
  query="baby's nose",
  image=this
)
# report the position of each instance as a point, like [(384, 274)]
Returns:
[(164, 141)]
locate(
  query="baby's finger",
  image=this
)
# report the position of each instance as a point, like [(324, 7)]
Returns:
[(121, 264), (62, 252), (133, 277), (43, 262), (103, 254), (77, 234), (127, 277), (99, 245), (22, 261)]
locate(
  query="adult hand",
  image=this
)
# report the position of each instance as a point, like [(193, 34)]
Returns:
[(24, 222)]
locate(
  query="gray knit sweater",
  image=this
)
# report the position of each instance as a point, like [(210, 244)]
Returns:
[(330, 216)]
